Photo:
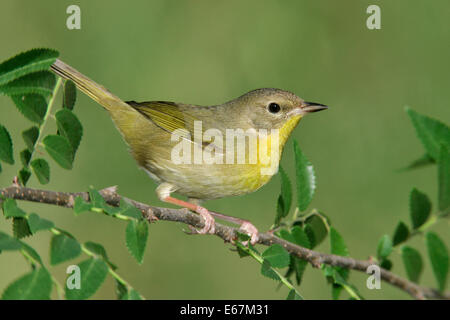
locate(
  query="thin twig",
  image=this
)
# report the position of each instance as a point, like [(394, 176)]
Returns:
[(228, 234)]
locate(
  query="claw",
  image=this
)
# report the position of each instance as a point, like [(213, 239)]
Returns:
[(210, 224), (251, 230)]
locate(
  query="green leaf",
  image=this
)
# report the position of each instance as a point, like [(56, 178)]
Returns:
[(36, 285), (26, 62), (36, 223), (6, 146), (386, 264), (401, 233), (277, 256), (41, 82), (70, 127), (63, 248), (316, 230), (81, 206), (9, 243), (267, 271), (423, 161), (21, 228), (337, 244), (420, 208), (93, 273), (96, 199), (30, 137), (306, 180), (25, 156), (41, 170), (432, 133), (384, 248), (438, 253), (69, 95), (136, 238), (300, 237), (100, 251), (60, 150), (293, 295), (10, 209), (444, 178), (285, 198), (32, 105), (413, 263), (24, 175), (129, 210)]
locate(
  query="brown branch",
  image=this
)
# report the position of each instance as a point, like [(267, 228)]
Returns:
[(151, 213)]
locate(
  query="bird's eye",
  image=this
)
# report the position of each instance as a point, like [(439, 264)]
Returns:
[(274, 107)]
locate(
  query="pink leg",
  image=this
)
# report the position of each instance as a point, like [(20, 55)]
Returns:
[(209, 220)]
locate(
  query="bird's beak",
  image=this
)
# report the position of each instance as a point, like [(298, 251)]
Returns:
[(308, 107)]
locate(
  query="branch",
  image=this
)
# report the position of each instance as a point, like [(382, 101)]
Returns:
[(228, 234)]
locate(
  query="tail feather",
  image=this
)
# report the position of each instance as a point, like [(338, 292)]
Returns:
[(94, 90)]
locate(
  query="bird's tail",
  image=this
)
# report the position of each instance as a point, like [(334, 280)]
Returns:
[(97, 92)]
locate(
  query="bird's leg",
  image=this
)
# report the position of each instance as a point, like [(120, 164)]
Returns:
[(165, 189)]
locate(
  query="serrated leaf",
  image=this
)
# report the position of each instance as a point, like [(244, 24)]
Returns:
[(41, 170), (81, 206), (136, 238), (432, 133), (306, 180), (384, 248), (24, 176), (60, 150), (438, 254), (401, 233), (300, 237), (10, 209), (6, 146), (412, 262), (93, 273), (277, 256), (63, 248), (36, 285), (30, 137), (285, 198), (21, 228), (33, 106), (41, 82), (69, 95), (37, 224), (26, 62), (337, 244), (70, 127), (420, 208), (99, 250), (316, 230), (444, 178), (9, 243), (267, 271), (25, 156)]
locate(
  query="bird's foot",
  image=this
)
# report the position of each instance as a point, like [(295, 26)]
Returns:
[(248, 228), (210, 223)]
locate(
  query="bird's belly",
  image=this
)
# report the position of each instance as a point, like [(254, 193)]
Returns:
[(210, 181)]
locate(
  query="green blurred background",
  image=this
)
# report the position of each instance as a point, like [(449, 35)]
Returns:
[(207, 52)]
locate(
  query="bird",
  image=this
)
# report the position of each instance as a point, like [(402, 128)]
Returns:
[(187, 150)]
